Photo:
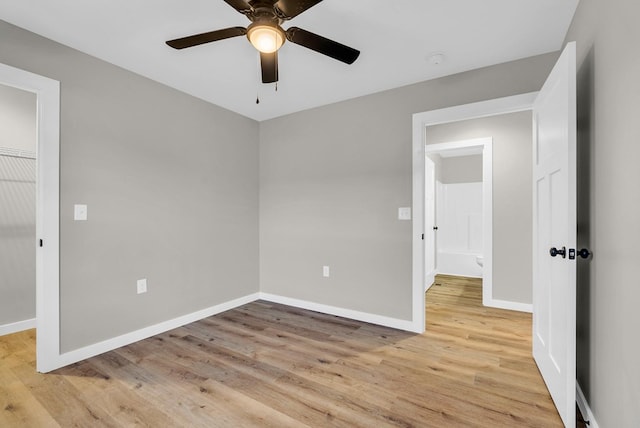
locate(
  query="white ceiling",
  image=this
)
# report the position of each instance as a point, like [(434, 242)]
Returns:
[(395, 38)]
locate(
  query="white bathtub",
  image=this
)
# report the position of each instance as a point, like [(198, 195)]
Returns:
[(462, 264)]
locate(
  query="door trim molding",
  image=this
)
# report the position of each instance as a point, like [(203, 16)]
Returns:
[(421, 121), (47, 209), (430, 276)]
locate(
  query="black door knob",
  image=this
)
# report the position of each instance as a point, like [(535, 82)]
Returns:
[(435, 227), (555, 252), (584, 253)]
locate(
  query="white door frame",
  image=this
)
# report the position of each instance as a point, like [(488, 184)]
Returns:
[(430, 237), (47, 209), (421, 121), (486, 144)]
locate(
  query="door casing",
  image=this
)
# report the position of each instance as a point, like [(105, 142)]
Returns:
[(430, 235), (47, 210), (421, 121)]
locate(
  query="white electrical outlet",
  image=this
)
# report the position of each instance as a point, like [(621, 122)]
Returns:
[(142, 285), (325, 271)]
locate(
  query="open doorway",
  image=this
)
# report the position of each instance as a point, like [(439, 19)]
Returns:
[(507, 205), (47, 207), (17, 210), (459, 210), (425, 127)]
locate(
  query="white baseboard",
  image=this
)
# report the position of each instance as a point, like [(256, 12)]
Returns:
[(429, 280), (341, 312), (15, 327), (463, 275), (135, 336), (512, 306), (583, 405)]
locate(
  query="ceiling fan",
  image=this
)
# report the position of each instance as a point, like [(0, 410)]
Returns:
[(267, 36)]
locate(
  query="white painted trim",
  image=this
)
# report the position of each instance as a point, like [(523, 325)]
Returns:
[(487, 222), (47, 209), (15, 327), (399, 324), (418, 229), (135, 336), (512, 306), (429, 280), (458, 275), (421, 121), (456, 145), (477, 110), (583, 405), (429, 236)]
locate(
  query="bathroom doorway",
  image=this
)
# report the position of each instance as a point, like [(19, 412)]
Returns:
[(458, 210)]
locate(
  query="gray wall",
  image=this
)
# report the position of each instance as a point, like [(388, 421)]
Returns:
[(512, 196), (171, 183), (460, 169), (17, 119), (332, 179), (607, 35), (17, 206)]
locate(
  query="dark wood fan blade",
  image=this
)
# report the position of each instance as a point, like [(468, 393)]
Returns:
[(269, 65), (322, 45), (240, 5), (212, 36), (288, 9)]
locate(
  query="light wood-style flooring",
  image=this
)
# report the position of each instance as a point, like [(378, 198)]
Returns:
[(269, 365)]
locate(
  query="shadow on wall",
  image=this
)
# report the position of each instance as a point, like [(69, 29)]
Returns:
[(585, 147)]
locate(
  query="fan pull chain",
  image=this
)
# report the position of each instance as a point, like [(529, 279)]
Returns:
[(258, 93), (276, 86), (258, 82)]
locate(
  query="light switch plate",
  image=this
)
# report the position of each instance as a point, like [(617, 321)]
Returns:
[(79, 212), (325, 271), (142, 285), (404, 213)]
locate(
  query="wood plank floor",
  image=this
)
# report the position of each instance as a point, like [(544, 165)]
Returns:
[(269, 365)]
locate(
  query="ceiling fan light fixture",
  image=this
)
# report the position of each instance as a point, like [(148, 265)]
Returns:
[(266, 38)]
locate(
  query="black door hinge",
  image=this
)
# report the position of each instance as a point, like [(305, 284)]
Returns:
[(41, 242), (423, 236)]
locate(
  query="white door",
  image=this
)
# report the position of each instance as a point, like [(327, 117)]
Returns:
[(554, 232), (430, 222)]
